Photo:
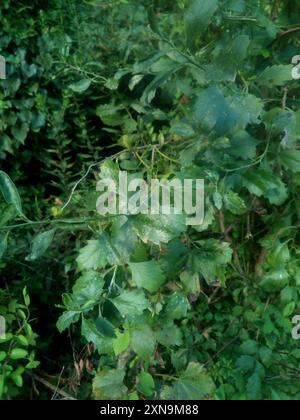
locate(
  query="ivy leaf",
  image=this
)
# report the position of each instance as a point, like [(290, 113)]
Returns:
[(109, 385), (40, 245), (193, 384), (148, 275), (66, 319), (131, 303), (143, 341), (10, 192)]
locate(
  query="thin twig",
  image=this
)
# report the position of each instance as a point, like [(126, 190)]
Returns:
[(53, 387)]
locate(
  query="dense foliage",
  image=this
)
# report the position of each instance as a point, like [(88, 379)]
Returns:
[(143, 307)]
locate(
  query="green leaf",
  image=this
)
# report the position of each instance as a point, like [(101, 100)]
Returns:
[(143, 342), (254, 387), (290, 159), (92, 335), (264, 183), (20, 133), (249, 348), (193, 384), (121, 342), (17, 354), (198, 17), (235, 204), (177, 306), (275, 76), (146, 385), (3, 243), (131, 303), (169, 335), (109, 385), (110, 114), (10, 192), (158, 229), (98, 254), (148, 275), (275, 280), (81, 86), (245, 363), (89, 287), (66, 319), (40, 245), (105, 328), (211, 259)]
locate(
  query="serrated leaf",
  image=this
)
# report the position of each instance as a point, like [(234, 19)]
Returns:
[(177, 306), (234, 203), (143, 341), (193, 384), (198, 17), (148, 275), (131, 303), (109, 385), (290, 159), (276, 75), (89, 287), (158, 229), (40, 245), (91, 334), (98, 253), (66, 319), (169, 335)]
